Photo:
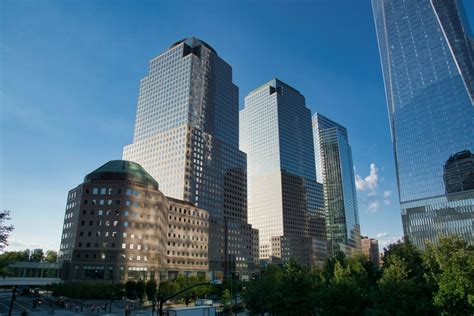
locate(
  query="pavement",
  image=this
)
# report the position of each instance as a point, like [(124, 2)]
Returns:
[(25, 303)]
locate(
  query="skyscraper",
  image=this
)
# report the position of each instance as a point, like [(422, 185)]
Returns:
[(285, 201), (426, 51), (186, 136), (334, 167)]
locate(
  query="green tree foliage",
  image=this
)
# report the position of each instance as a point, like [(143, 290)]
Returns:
[(347, 290), (439, 281), (225, 298), (5, 229), (37, 255), (150, 289), (131, 290), (403, 289), (87, 290), (9, 257), (51, 256), (450, 269)]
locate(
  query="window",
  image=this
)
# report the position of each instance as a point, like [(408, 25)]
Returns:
[(95, 191), (100, 212), (124, 246), (125, 224), (103, 191)]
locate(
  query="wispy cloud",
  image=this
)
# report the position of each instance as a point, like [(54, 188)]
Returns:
[(370, 182), (373, 206), (386, 197), (15, 244), (385, 241)]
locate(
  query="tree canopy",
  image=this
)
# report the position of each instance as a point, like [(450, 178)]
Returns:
[(439, 281)]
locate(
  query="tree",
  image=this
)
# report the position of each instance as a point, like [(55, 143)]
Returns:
[(51, 256), (140, 289), (150, 289), (131, 289), (225, 298), (263, 294), (403, 289), (347, 291), (5, 230), (450, 269), (37, 255)]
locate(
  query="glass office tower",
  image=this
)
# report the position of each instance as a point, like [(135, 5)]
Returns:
[(186, 137), (284, 200), (426, 50), (335, 169)]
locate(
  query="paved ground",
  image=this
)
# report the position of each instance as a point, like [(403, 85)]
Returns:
[(23, 303)]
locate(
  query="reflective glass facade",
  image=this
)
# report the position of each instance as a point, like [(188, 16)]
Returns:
[(186, 137), (284, 201), (427, 63), (333, 156)]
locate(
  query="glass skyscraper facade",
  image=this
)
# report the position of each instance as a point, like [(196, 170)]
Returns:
[(334, 167), (426, 51), (284, 200), (186, 136)]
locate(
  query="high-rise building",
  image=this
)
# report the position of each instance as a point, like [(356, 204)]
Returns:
[(119, 226), (285, 202), (426, 51), (370, 248), (334, 168), (186, 136)]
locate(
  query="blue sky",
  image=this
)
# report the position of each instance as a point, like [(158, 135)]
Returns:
[(70, 73)]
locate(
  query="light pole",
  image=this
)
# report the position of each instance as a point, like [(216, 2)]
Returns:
[(11, 302)]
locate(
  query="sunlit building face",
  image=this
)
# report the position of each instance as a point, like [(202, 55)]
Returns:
[(427, 62)]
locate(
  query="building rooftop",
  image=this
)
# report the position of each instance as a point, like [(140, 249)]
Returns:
[(193, 41), (122, 170)]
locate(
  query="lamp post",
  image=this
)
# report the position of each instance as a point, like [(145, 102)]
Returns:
[(11, 302)]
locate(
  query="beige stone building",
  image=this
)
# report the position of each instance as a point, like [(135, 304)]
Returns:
[(119, 226)]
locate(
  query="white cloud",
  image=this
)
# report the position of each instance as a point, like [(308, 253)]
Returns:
[(384, 234), (369, 183), (386, 197), (384, 242), (15, 244), (373, 206)]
